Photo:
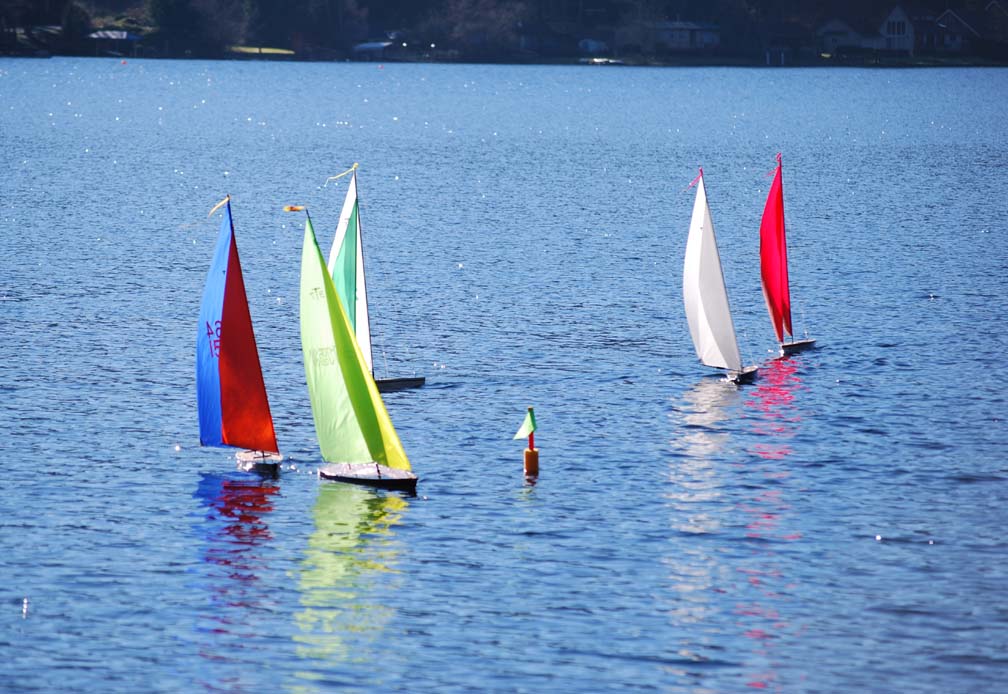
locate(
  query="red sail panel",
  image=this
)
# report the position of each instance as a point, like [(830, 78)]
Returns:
[(245, 413), (773, 259)]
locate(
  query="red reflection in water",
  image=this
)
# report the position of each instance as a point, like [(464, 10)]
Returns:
[(773, 398), (235, 531), (775, 420), (245, 504)]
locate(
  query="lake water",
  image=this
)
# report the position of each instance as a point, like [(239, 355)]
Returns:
[(837, 526)]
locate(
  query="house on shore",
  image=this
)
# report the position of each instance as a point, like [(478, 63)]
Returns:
[(995, 20), (910, 31), (964, 32), (668, 38), (891, 31), (115, 42)]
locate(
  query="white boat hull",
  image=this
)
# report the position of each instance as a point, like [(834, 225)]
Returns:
[(746, 375), (263, 462)]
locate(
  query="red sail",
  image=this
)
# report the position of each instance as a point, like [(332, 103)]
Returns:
[(773, 259), (245, 413)]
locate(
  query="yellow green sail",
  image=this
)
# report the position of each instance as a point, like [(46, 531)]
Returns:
[(351, 421)]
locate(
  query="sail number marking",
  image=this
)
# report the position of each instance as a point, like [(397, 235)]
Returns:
[(213, 334)]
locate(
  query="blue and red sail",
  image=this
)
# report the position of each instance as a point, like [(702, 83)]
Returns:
[(230, 392)]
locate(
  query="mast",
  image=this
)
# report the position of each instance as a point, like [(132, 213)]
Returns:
[(365, 326)]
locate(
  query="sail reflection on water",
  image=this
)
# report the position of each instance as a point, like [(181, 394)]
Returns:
[(728, 489), (764, 604), (773, 400), (775, 421), (233, 572), (234, 530), (705, 405), (697, 501), (352, 544)]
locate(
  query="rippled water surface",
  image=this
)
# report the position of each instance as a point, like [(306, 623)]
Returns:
[(838, 525)]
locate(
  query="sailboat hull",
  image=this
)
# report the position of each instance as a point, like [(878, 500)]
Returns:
[(746, 375), (371, 475), (389, 385), (261, 462), (789, 348)]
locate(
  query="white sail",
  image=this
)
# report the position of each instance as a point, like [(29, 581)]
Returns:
[(704, 292), (362, 324)]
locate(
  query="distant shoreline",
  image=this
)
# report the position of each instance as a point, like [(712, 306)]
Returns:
[(597, 62)]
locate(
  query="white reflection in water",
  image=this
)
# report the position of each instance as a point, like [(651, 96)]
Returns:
[(696, 485), (697, 501), (705, 406)]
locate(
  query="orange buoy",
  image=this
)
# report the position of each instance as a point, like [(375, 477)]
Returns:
[(531, 462), (528, 428)]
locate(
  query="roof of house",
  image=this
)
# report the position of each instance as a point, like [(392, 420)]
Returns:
[(951, 18), (870, 23)]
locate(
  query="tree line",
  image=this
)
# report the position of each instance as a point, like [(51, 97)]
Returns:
[(474, 28)]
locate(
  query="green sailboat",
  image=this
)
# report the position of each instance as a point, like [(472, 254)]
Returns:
[(355, 433), (346, 265)]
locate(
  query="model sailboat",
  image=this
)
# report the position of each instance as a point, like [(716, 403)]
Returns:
[(774, 267), (230, 392), (354, 430), (346, 265), (706, 297)]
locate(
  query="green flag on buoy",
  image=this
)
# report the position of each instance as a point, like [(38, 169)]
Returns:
[(528, 426)]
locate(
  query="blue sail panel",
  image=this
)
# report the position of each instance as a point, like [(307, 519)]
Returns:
[(208, 391)]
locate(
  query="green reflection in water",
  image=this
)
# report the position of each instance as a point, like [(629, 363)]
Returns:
[(352, 545)]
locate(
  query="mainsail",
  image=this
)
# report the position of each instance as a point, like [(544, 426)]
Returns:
[(704, 292), (773, 258), (230, 392), (351, 421), (346, 265)]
